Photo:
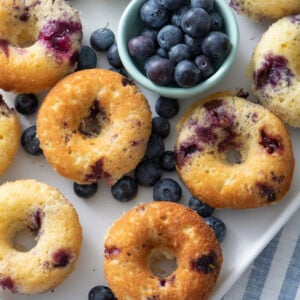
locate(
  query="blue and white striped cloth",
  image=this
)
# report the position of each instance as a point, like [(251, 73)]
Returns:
[(275, 273)]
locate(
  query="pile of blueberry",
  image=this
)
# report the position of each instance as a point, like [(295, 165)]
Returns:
[(183, 41)]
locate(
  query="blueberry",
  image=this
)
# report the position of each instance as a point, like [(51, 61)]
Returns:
[(102, 39), (204, 210), (159, 70), (167, 189), (167, 161), (153, 14), (162, 52), (167, 107), (151, 33), (218, 227), (30, 141), (205, 66), (169, 36), (85, 190), (113, 56), (195, 22), (186, 74), (26, 104), (216, 45), (87, 58), (177, 15), (148, 172), (141, 46), (178, 53), (155, 147), (208, 5), (216, 22), (161, 126), (171, 4), (194, 44), (101, 292), (125, 189)]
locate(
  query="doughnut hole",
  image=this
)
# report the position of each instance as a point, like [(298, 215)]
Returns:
[(233, 156), (162, 262), (24, 240)]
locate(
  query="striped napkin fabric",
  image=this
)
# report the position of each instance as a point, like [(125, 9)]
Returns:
[(275, 273)]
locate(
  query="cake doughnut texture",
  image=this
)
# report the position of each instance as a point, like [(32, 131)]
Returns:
[(258, 10), (39, 43), (155, 229), (274, 69), (221, 126), (42, 210), (10, 130), (94, 124)]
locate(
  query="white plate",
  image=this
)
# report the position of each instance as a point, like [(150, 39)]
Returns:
[(248, 231)]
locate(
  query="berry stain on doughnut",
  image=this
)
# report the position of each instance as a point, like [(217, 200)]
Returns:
[(97, 172), (266, 192), (57, 35), (8, 283), (61, 258), (36, 223), (274, 69), (205, 263), (112, 251), (4, 46), (271, 144)]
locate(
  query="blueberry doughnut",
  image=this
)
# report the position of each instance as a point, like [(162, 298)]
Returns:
[(148, 232), (94, 124), (39, 43), (43, 211), (258, 10), (10, 130), (233, 153), (274, 69)]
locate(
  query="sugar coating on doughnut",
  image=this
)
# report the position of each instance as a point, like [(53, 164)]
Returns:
[(45, 213), (167, 228), (94, 124), (221, 124), (274, 69), (39, 43), (10, 130), (258, 10)]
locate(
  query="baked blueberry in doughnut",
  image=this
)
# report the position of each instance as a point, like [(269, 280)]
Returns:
[(94, 124), (39, 43), (233, 153), (274, 69)]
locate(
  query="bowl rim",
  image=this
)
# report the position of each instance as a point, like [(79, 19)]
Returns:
[(232, 30)]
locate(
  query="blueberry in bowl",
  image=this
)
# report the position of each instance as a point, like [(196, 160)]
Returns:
[(177, 49)]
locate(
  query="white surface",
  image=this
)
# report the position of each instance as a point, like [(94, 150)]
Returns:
[(248, 231)]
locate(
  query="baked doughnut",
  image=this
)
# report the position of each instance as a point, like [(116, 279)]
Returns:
[(233, 153), (42, 210), (154, 230), (274, 69), (94, 124), (10, 130), (258, 10), (39, 43)]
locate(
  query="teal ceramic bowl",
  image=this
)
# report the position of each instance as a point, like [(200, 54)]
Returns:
[(130, 25)]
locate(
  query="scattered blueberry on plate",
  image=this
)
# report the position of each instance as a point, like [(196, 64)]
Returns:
[(30, 141), (102, 39), (155, 147), (26, 104), (87, 58), (204, 210), (113, 57), (101, 292), (148, 172), (167, 161), (167, 189), (161, 126), (218, 227), (125, 189), (85, 191), (167, 107)]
